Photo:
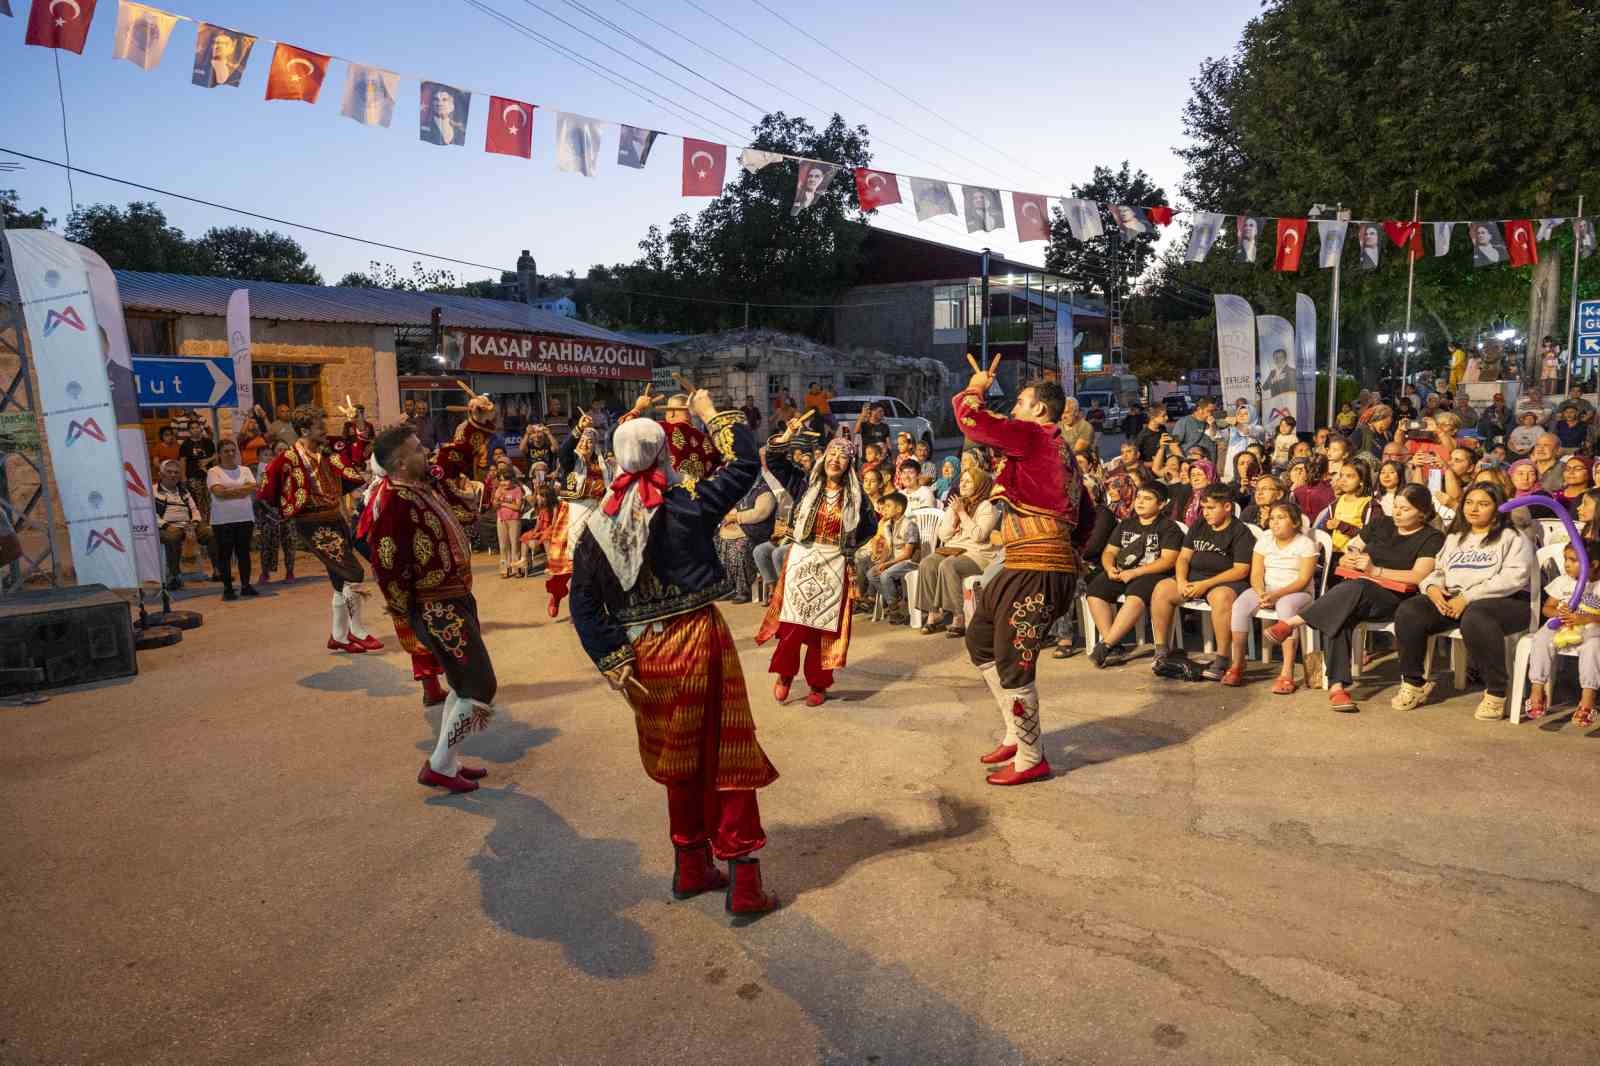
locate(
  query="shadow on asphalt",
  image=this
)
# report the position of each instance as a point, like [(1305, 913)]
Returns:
[(814, 856), (357, 673), (505, 741), (540, 879)]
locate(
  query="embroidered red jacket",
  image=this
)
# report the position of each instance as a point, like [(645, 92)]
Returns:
[(302, 485), (467, 452), (692, 453), (419, 551)]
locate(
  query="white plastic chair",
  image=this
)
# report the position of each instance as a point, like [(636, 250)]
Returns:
[(1524, 649), (1555, 533), (1458, 647), (927, 520), (1308, 642)]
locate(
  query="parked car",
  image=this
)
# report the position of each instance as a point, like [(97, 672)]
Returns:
[(897, 416), (1177, 405)]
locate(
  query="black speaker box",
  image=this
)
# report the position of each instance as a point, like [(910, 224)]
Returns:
[(58, 637)]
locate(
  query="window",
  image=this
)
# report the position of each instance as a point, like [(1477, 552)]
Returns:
[(287, 384), (151, 336), (948, 312)]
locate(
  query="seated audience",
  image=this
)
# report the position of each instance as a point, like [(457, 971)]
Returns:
[(1580, 629), (1282, 568), (964, 551), (1142, 550), (1214, 566)]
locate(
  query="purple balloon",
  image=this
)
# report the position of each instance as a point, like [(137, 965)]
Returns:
[(1557, 508)]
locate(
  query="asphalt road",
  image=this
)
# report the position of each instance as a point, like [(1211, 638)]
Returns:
[(228, 860)]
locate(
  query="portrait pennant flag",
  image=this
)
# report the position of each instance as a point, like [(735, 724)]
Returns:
[(60, 24), (754, 160), (1132, 221), (1403, 234), (1441, 238), (220, 56), (510, 128), (811, 181), (1029, 212), (142, 34), (931, 199), (577, 143), (983, 209), (1520, 245), (1583, 230), (704, 166), (1083, 218), (1330, 242), (1547, 227), (1203, 233), (876, 188), (633, 146), (1291, 240), (443, 114), (296, 74), (369, 95)]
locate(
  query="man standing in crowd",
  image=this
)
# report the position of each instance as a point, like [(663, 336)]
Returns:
[(871, 428), (752, 413), (820, 400), (1149, 439), (1191, 430), (199, 454), (1074, 426)]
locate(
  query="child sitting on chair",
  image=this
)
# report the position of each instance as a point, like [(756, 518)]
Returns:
[(1579, 629)]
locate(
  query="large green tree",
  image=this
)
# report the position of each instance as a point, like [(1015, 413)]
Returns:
[(17, 218), (257, 255), (139, 237), (1480, 107), (1114, 261)]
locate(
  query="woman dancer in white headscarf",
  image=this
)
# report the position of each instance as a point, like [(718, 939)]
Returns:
[(583, 483)]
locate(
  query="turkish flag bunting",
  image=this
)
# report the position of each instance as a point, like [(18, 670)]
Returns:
[(296, 74), (1033, 219), (1522, 249), (1161, 216), (875, 188), (703, 166), (510, 127), (1291, 239), (60, 24), (1404, 233)]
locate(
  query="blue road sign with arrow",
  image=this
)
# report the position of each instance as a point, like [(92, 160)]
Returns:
[(178, 382), (1589, 329)]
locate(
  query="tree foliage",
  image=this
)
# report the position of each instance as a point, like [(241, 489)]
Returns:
[(259, 255), (17, 218), (139, 237), (1113, 260)]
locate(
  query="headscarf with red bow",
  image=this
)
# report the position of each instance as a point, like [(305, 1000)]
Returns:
[(621, 525)]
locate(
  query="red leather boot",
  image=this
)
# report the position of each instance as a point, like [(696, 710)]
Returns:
[(745, 898), (693, 872), (780, 690), (433, 693)]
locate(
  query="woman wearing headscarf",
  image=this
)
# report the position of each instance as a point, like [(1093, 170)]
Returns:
[(964, 551), (1201, 474), (813, 603), (748, 524), (948, 480), (645, 582), (583, 483)]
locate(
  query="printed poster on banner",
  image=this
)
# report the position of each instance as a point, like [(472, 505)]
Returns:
[(239, 347), (1236, 351), (75, 397), (1305, 362), (1275, 342), (1066, 356)]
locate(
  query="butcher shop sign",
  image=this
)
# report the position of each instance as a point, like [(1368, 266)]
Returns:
[(490, 352)]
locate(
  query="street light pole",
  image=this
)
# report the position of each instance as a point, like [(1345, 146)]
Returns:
[(1572, 316), (1341, 215), (1411, 279)]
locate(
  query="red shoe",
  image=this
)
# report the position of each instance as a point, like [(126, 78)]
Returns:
[(369, 642), (1279, 632), (1015, 777), (780, 691), (433, 693), (1234, 678), (1284, 686), (473, 773), (351, 646), (693, 872), (555, 606), (745, 897), (816, 698), (433, 778), (1003, 753), (1340, 701)]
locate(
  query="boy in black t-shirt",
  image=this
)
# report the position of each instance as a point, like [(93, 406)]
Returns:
[(1140, 553), (1214, 565)]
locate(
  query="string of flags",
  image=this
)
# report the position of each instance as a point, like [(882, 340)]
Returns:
[(371, 94)]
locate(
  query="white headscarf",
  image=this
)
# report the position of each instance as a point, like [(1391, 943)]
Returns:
[(640, 445), (805, 512)]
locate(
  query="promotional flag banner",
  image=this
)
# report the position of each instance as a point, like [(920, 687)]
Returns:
[(60, 24), (1132, 221), (142, 34), (1236, 351), (754, 160), (876, 188), (1369, 238), (1066, 347), (443, 114), (1305, 360), (220, 55), (1291, 240), (811, 181), (75, 398), (983, 209), (1083, 218), (1547, 227), (296, 74), (1487, 247), (1583, 229), (1405, 233), (577, 143), (1203, 231), (510, 128), (239, 348), (704, 165), (1029, 212), (1441, 238), (1275, 343), (369, 95), (633, 146), (1247, 234), (1520, 245), (1161, 215), (931, 199), (1330, 242)]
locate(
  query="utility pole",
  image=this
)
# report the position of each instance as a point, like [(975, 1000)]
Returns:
[(1572, 315), (1114, 298), (1342, 215), (983, 328)]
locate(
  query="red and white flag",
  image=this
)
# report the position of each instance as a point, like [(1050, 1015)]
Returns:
[(1402, 234), (1161, 214), (60, 24), (1031, 215), (510, 127), (876, 188), (1291, 239), (704, 164), (1520, 245), (296, 74)]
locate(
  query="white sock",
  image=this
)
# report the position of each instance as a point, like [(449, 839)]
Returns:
[(352, 602), (341, 618), (461, 718), (1023, 707), (1002, 700)]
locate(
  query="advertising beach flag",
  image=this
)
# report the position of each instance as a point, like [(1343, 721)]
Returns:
[(296, 74)]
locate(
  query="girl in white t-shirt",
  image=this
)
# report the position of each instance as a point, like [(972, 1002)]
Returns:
[(1281, 570), (1581, 627)]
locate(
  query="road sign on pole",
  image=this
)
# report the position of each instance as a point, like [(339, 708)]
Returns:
[(180, 382), (1588, 329)]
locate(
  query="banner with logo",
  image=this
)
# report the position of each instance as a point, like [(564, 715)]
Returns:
[(1305, 361), (483, 351), (239, 348), (1066, 357), (1275, 342), (136, 477), (75, 397), (1236, 350)]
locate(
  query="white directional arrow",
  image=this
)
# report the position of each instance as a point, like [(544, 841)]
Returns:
[(219, 384), (1590, 344)]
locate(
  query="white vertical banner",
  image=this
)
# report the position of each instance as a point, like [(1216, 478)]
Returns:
[(239, 348), (75, 398), (1236, 350), (1275, 342), (125, 403), (1305, 361), (1066, 358)]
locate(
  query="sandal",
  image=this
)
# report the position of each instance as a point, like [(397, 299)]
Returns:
[(1064, 651), (1583, 716), (930, 628), (956, 632), (1284, 686)]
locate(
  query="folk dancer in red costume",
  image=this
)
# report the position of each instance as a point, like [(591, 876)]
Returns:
[(814, 601), (423, 562), (306, 485), (644, 588), (1042, 493), (466, 453), (690, 449), (583, 484)]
